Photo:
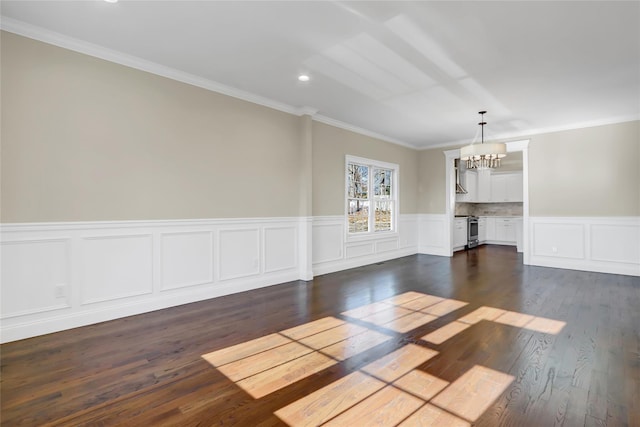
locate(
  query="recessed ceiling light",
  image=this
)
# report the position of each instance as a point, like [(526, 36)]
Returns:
[(111, 1), (304, 78)]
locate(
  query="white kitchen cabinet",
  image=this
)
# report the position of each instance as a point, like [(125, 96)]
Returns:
[(459, 233), (490, 228), (483, 186), (482, 229), (499, 229), (499, 188), (506, 187), (506, 230)]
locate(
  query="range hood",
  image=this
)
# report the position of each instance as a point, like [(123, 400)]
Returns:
[(459, 188)]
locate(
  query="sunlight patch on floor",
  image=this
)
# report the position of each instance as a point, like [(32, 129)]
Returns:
[(391, 390)]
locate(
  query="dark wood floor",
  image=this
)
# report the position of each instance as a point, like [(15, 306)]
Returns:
[(147, 370)]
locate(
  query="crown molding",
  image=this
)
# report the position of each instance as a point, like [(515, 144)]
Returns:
[(346, 126), (306, 111), (540, 131), (97, 51)]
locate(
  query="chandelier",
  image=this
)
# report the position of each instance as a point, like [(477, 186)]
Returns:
[(483, 156)]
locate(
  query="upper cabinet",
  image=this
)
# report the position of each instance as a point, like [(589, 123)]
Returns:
[(483, 193), (506, 187), (485, 187)]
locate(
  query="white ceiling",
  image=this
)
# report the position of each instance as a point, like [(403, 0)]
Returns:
[(415, 73)]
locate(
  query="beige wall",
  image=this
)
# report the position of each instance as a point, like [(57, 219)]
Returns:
[(331, 145), (570, 173), (86, 139), (432, 179), (586, 172)]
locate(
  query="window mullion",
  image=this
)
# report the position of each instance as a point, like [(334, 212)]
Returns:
[(372, 202)]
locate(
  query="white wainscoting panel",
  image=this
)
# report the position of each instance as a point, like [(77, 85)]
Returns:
[(186, 259), (35, 268), (57, 276), (239, 253), (601, 244), (559, 240), (433, 234), (355, 250), (333, 251), (117, 266), (409, 231), (386, 245), (328, 239), (615, 243), (280, 248)]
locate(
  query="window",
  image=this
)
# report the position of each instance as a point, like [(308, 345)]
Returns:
[(371, 195)]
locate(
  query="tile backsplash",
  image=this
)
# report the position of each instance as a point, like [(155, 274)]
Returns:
[(489, 209)]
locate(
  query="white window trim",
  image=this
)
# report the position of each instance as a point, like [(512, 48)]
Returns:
[(395, 188)]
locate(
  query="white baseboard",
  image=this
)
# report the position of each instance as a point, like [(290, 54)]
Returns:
[(498, 242)]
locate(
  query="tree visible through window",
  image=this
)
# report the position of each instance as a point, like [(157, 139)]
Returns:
[(370, 196)]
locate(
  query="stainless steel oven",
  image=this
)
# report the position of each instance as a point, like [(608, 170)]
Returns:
[(472, 232)]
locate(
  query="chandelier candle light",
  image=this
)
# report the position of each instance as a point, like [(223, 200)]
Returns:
[(483, 156)]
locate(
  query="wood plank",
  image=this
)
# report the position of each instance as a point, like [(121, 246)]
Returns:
[(444, 307), (330, 401), (246, 349), (355, 345), (511, 318), (267, 382), (386, 316), (422, 302), (432, 416), (472, 394), (264, 361), (366, 310), (409, 322), (446, 332), (403, 298), (332, 336), (546, 326), (387, 407), (394, 365), (421, 384), (482, 313), (311, 328)]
